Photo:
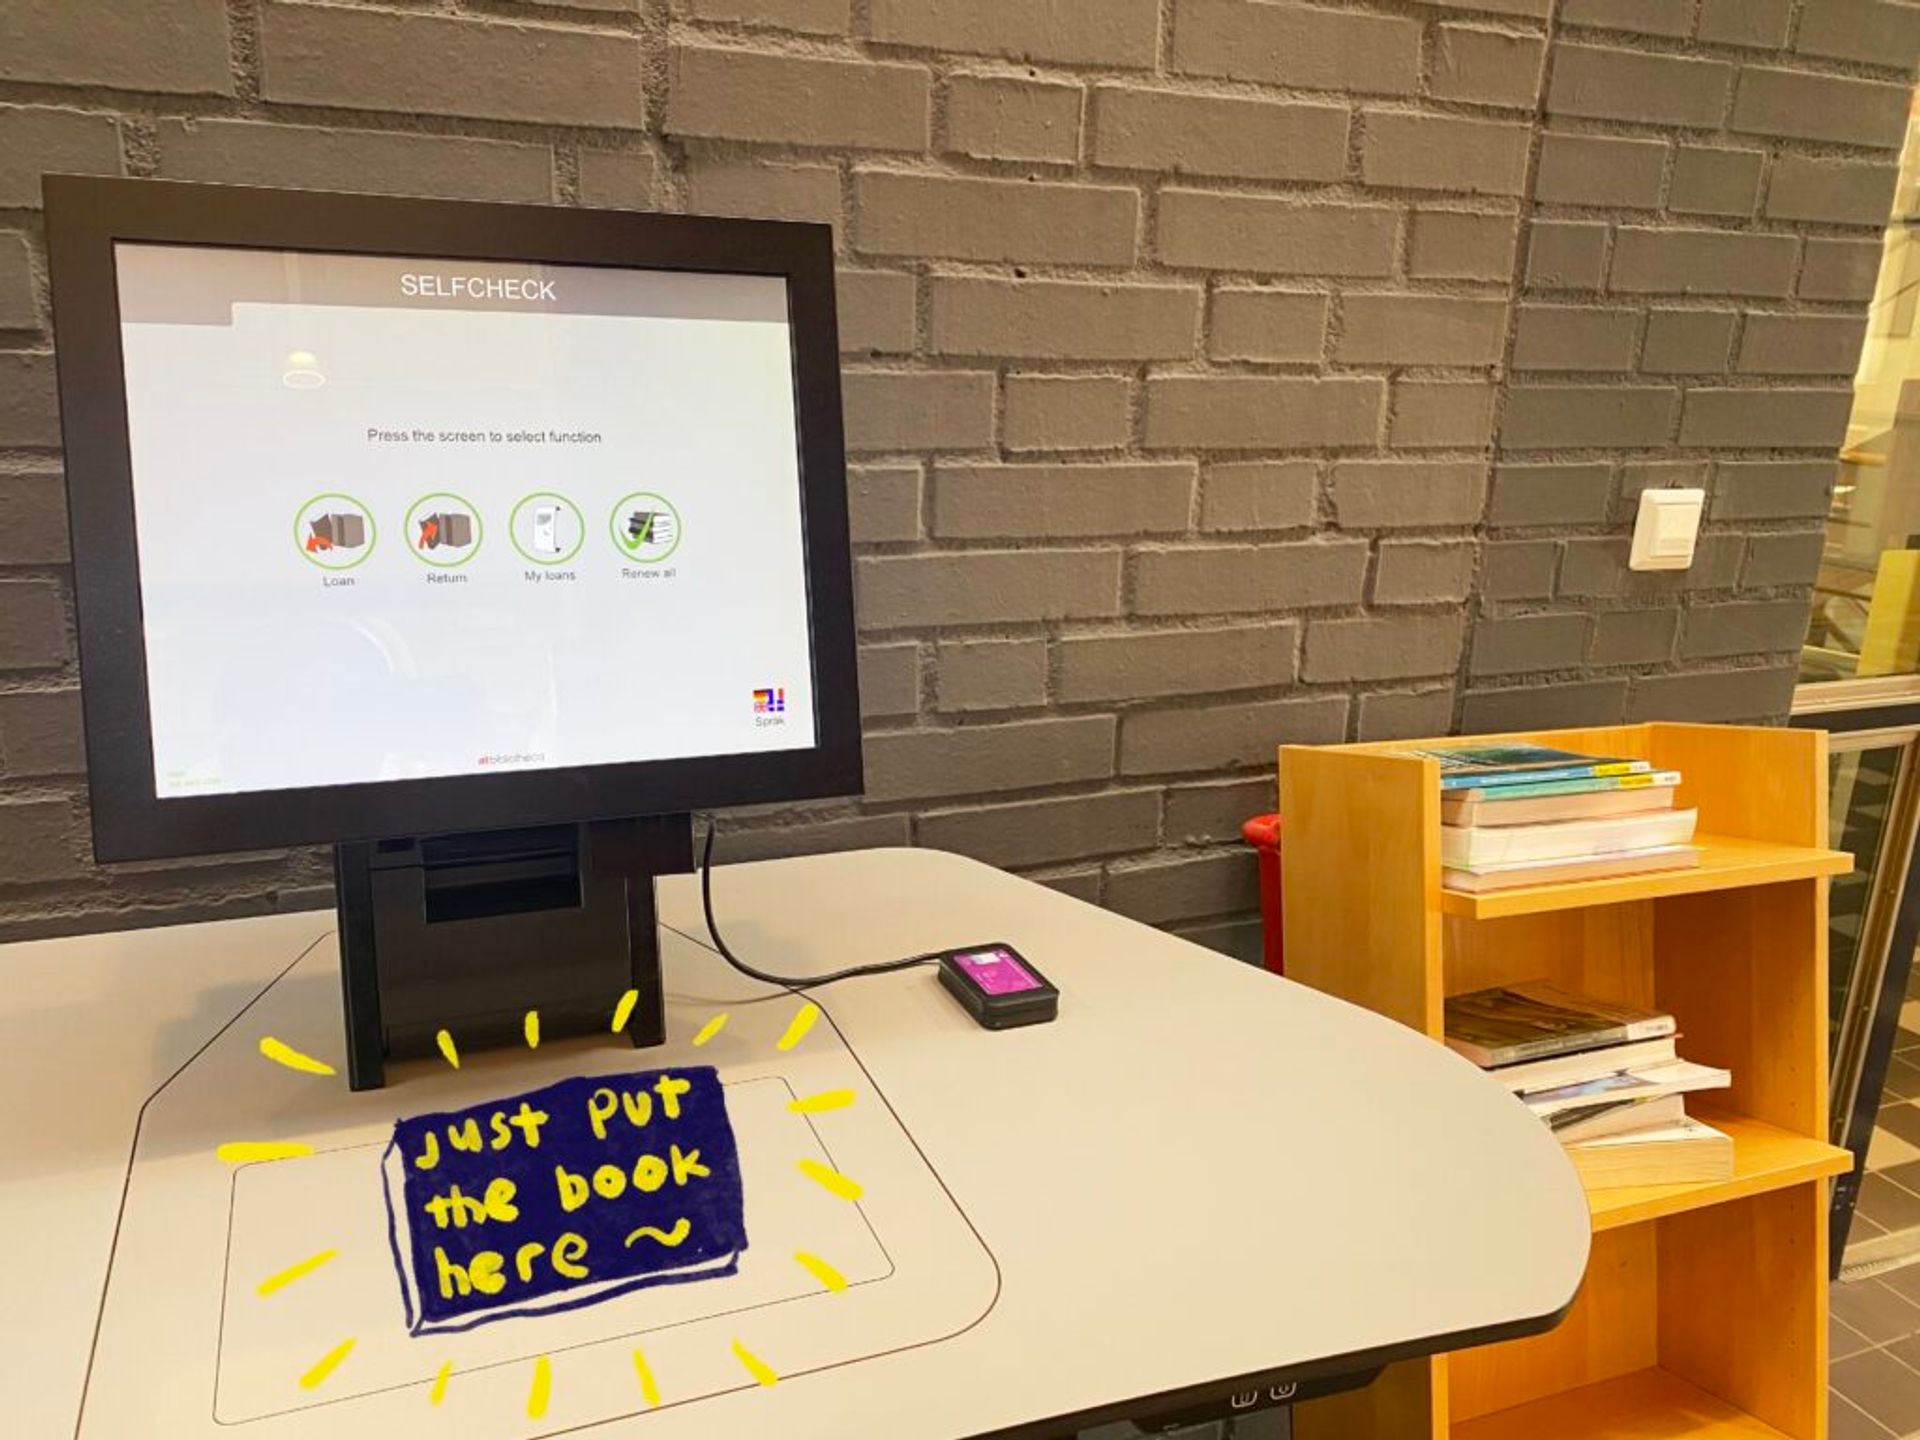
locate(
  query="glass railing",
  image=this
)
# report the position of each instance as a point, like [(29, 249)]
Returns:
[(1865, 620)]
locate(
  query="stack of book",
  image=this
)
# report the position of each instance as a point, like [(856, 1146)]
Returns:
[(1528, 815), (1605, 1078)]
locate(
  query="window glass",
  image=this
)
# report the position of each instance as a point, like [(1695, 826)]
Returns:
[(1866, 603)]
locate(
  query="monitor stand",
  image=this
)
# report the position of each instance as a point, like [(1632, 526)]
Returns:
[(467, 933)]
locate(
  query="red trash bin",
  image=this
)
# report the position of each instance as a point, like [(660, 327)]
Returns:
[(1262, 832)]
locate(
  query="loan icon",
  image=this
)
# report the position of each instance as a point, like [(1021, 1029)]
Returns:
[(334, 531)]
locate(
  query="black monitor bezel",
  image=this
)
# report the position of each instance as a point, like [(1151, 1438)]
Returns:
[(87, 217)]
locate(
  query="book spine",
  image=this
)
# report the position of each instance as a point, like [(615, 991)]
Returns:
[(1534, 777), (1586, 785), (1657, 1028), (1547, 1048), (1552, 1074)]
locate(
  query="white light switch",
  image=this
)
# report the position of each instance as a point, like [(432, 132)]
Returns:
[(1666, 528)]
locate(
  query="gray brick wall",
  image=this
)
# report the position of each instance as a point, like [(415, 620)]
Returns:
[(1218, 372), (1699, 244)]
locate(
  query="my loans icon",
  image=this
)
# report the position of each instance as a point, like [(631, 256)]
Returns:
[(646, 527)]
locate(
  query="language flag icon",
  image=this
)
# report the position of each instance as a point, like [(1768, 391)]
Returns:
[(770, 702)]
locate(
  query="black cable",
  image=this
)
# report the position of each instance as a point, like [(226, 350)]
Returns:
[(786, 982)]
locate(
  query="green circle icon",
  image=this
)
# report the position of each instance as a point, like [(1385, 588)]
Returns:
[(451, 524), (546, 528), (645, 527), (334, 531)]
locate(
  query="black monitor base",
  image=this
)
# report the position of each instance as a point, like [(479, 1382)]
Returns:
[(467, 933)]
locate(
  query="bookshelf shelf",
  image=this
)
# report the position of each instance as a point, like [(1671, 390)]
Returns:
[(1765, 1157), (1646, 1404), (1704, 1308), (1726, 863)]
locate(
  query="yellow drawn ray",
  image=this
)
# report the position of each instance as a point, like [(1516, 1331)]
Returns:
[(648, 1388), (623, 1012), (542, 1390), (825, 1100), (756, 1367), (439, 1392), (241, 1152), (327, 1364), (822, 1271), (712, 1028), (798, 1027), (448, 1050), (831, 1180), (294, 1272), (533, 1029), (282, 1053), (682, 1228)]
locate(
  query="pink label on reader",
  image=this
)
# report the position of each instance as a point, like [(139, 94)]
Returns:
[(996, 972)]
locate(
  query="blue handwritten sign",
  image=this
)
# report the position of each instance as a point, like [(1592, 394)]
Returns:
[(563, 1197)]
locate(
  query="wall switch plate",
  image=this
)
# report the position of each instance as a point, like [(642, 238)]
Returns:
[(1665, 529)]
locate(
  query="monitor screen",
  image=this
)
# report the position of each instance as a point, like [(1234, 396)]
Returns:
[(405, 518)]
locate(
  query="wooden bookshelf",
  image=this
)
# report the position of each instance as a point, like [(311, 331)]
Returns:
[(1704, 1309), (1647, 1403)]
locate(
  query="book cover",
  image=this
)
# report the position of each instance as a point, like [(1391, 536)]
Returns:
[(1507, 1025), (1611, 1117), (1464, 766), (1484, 847), (1646, 1080)]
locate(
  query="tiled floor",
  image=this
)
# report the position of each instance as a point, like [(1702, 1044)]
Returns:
[(1886, 1222), (1890, 1191), (1876, 1323), (1876, 1357)]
